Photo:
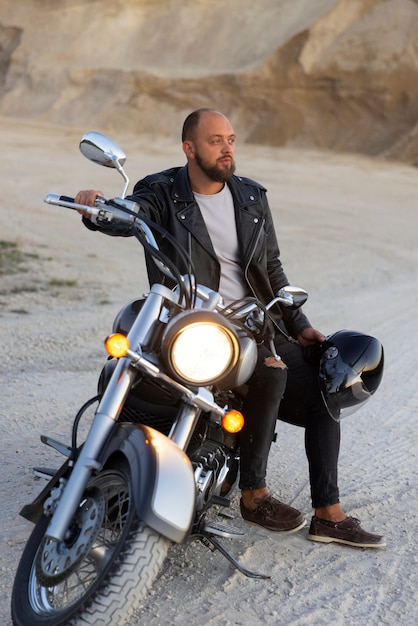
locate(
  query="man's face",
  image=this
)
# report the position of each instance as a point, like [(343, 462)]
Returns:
[(213, 147)]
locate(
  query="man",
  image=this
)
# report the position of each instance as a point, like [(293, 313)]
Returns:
[(225, 223)]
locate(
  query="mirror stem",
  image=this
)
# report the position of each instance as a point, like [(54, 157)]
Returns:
[(125, 178)]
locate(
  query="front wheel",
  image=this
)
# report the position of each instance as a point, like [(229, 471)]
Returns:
[(103, 570)]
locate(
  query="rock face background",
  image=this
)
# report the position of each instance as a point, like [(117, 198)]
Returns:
[(333, 74)]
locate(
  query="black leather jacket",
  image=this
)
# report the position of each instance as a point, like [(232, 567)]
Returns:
[(167, 199)]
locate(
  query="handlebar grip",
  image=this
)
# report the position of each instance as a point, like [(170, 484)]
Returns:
[(65, 201)]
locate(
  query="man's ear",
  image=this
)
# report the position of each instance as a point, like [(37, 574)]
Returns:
[(188, 149)]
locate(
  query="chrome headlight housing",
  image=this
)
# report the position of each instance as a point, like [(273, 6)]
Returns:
[(200, 347)]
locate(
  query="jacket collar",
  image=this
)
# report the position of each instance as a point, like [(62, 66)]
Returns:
[(182, 192)]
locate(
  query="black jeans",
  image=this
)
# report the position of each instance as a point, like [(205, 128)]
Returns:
[(294, 396)]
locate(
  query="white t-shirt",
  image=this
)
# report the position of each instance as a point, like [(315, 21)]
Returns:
[(219, 215)]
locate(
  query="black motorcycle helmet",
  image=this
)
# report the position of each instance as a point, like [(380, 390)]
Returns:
[(350, 371)]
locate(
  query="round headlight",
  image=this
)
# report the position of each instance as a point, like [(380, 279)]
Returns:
[(200, 347)]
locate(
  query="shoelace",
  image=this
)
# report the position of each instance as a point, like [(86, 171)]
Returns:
[(268, 504)]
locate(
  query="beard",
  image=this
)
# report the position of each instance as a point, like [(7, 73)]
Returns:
[(216, 173)]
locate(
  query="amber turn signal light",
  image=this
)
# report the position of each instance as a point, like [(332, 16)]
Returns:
[(233, 421), (117, 345)]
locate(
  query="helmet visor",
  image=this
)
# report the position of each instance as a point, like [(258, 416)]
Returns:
[(342, 387)]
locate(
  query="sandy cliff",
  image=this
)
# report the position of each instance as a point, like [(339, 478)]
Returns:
[(334, 74)]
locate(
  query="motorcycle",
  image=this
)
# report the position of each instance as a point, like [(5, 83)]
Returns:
[(161, 455)]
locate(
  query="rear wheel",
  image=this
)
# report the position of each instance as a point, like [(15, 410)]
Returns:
[(102, 570)]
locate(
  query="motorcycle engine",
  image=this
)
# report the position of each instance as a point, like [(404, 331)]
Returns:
[(210, 463)]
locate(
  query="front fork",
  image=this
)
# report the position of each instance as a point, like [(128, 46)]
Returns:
[(103, 424), (106, 416)]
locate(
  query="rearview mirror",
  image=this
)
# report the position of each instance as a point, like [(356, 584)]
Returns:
[(102, 150), (292, 297)]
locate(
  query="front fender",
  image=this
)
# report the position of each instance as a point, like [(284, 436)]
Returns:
[(162, 475)]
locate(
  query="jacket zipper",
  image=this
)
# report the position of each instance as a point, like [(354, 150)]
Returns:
[(252, 250)]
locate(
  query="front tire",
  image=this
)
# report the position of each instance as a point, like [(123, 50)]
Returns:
[(105, 586)]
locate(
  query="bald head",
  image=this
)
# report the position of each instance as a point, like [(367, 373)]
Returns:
[(191, 122)]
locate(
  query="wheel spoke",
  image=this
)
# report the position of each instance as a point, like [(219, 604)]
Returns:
[(60, 596)]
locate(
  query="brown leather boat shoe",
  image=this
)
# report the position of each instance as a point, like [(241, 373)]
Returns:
[(273, 515), (348, 531)]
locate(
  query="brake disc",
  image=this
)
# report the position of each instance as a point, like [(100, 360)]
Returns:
[(56, 560)]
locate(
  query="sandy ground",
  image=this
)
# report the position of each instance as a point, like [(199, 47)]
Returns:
[(348, 233)]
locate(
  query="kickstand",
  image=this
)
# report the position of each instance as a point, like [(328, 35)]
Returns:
[(216, 544)]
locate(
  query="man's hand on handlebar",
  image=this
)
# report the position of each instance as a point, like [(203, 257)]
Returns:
[(88, 197)]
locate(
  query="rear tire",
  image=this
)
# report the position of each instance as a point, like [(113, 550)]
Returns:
[(106, 585)]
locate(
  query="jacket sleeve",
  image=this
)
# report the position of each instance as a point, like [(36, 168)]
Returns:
[(149, 206), (294, 319), (115, 230)]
